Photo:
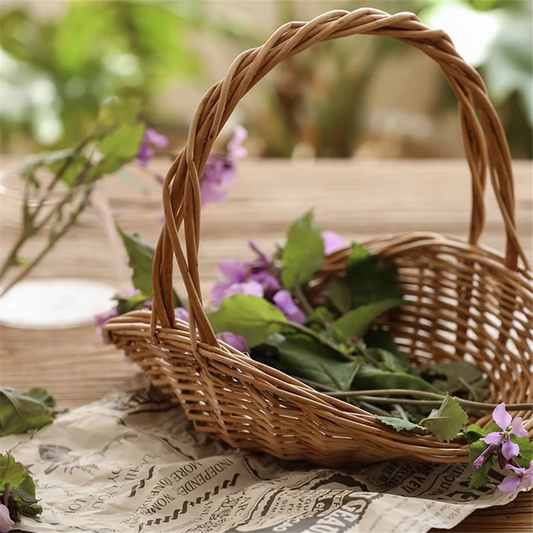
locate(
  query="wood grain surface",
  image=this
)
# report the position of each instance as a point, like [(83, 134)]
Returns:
[(357, 199)]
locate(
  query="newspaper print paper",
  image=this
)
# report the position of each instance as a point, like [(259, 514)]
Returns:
[(131, 464)]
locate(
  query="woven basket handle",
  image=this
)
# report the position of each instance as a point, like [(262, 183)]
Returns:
[(484, 141)]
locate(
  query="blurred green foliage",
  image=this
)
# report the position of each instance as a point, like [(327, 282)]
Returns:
[(56, 72)]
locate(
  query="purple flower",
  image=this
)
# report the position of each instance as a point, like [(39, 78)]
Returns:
[(267, 280), (237, 341), (6, 524), (234, 271), (235, 148), (484, 457), (102, 318), (220, 170), (508, 426), (511, 483), (283, 300), (182, 314), (151, 141), (333, 242)]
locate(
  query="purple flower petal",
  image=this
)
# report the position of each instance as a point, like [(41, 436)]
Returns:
[(157, 140), (493, 438), (479, 462), (6, 524), (333, 242), (268, 280), (160, 179), (283, 300), (146, 152), (529, 471), (237, 341), (235, 148), (518, 428), (182, 314), (262, 256), (219, 290), (251, 288), (102, 318), (510, 449), (509, 484), (234, 271), (518, 470), (211, 193), (501, 416)]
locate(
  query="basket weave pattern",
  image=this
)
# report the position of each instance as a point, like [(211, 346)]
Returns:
[(463, 300)]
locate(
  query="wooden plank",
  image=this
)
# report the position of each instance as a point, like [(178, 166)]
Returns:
[(358, 199)]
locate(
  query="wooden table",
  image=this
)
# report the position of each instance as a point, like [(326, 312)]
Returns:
[(357, 199)]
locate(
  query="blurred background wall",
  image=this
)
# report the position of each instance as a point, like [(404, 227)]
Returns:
[(357, 97)]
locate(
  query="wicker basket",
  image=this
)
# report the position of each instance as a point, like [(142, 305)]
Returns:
[(463, 299)]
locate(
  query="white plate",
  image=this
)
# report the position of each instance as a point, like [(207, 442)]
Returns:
[(55, 303)]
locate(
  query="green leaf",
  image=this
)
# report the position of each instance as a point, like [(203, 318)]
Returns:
[(117, 111), (339, 294), (11, 471), (370, 378), (370, 281), (380, 338), (24, 496), (250, 316), (20, 413), (459, 378), (399, 424), (480, 476), (307, 357), (357, 254), (356, 323), (446, 421), (141, 257), (303, 255), (120, 147), (526, 450), (42, 396), (473, 432), (125, 304), (387, 361), (321, 315), (476, 449), (73, 168)]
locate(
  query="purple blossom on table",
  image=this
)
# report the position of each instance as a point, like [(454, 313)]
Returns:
[(151, 142), (6, 524), (284, 301), (236, 341), (333, 242), (512, 483)]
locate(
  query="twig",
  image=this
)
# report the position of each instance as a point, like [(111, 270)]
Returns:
[(52, 241), (380, 396)]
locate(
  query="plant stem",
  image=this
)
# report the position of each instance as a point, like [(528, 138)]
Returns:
[(378, 395), (303, 300), (53, 239)]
